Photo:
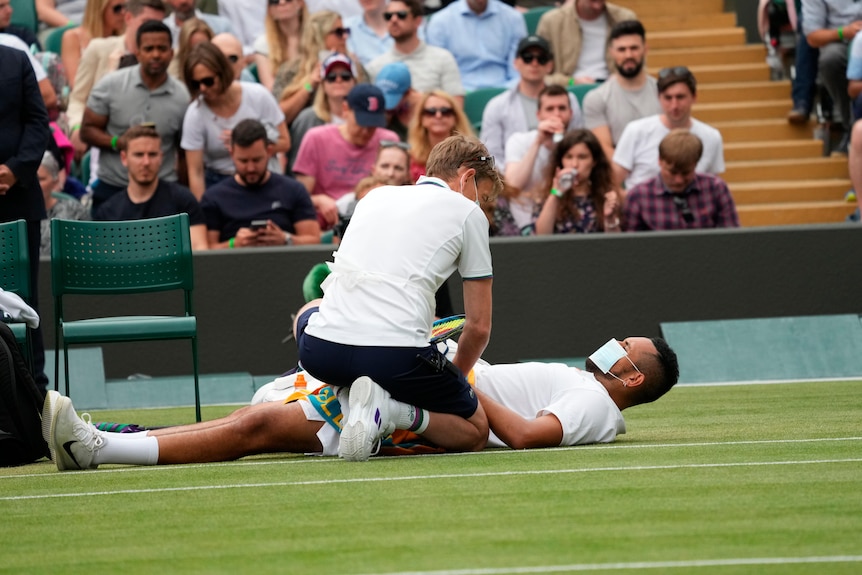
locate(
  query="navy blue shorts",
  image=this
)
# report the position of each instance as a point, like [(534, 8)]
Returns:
[(417, 376)]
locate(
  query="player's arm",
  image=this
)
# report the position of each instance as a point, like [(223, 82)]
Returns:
[(520, 433), (477, 328)]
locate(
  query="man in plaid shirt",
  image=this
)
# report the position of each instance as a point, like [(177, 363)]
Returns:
[(679, 198)]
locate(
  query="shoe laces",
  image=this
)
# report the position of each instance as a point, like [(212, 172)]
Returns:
[(88, 434)]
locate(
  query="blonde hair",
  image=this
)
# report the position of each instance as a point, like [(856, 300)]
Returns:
[(417, 134), (93, 21), (277, 41), (189, 28), (314, 33), (321, 102)]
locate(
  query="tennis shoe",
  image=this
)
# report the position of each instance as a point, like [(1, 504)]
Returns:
[(72, 440), (368, 420)]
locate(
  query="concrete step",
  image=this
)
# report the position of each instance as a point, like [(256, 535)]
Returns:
[(794, 169), (652, 8), (755, 110), (741, 91), (764, 130), (772, 150), (709, 56), (733, 73), (794, 213), (779, 191), (687, 21), (681, 39)]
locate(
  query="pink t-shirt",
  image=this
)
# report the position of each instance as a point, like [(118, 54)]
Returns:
[(335, 164)]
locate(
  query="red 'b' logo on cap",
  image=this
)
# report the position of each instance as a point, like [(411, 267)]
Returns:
[(373, 105)]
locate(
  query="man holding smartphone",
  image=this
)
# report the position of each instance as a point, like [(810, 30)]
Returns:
[(257, 207)]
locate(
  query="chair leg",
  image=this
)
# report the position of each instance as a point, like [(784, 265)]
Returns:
[(66, 368), (57, 359), (197, 385)]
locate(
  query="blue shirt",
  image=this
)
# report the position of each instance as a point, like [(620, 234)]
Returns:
[(364, 42), (484, 45)]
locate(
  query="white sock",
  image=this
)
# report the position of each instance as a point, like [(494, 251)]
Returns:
[(409, 417), (128, 448)]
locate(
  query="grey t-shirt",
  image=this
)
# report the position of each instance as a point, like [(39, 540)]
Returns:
[(613, 106), (431, 68)]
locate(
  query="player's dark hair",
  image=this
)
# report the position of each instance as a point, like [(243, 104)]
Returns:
[(661, 372)]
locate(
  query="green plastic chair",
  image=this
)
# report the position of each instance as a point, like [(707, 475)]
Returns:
[(532, 17), (24, 14), (580, 90), (15, 275), (121, 258), (54, 41), (475, 102)]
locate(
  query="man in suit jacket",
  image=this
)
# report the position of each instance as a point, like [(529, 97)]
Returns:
[(24, 125)]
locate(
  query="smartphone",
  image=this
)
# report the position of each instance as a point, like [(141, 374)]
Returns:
[(258, 224)]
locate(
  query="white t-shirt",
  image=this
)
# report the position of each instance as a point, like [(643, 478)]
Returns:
[(402, 244), (11, 41), (592, 62), (517, 146), (202, 129), (637, 149), (583, 406)]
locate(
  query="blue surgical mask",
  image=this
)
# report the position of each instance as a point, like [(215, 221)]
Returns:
[(609, 354)]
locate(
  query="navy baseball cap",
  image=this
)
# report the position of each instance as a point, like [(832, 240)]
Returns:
[(368, 104)]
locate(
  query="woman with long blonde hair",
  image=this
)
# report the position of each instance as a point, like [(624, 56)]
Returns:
[(437, 117), (102, 18), (280, 43)]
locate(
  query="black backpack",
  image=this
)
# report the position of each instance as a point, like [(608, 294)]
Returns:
[(20, 407)]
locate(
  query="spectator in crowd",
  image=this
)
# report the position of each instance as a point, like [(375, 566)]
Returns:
[(828, 26), (102, 18), (247, 19), (488, 63), (182, 10), (257, 207), (636, 155), (628, 94), (280, 44), (395, 82), (528, 153), (339, 77), (26, 35), (192, 32), (431, 67), (24, 126), (578, 32), (804, 81), (680, 197), (369, 33), (854, 163), (130, 96), (63, 207), (577, 193), (60, 13), (104, 55), (296, 85), (147, 196), (515, 110), (333, 158), (46, 89), (437, 117), (232, 49), (854, 78), (219, 104)]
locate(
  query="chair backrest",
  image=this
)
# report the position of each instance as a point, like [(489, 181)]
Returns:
[(475, 102), (24, 14), (133, 256), (532, 17), (54, 41), (15, 259), (580, 90)]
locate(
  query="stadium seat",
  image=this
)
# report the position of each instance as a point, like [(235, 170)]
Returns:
[(580, 90), (118, 259), (15, 274), (532, 17), (475, 102), (54, 41), (24, 14)]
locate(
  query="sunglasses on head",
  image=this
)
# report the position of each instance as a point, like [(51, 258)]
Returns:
[(209, 82), (118, 8), (488, 159), (674, 71), (402, 15), (343, 76), (444, 111), (340, 32), (394, 144), (277, 2), (542, 59)]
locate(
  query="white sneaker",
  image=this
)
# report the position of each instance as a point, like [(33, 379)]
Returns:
[(73, 441), (368, 420)]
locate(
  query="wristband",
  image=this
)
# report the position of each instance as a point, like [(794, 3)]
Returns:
[(556, 192), (308, 87), (841, 33), (74, 128), (114, 143), (231, 243)]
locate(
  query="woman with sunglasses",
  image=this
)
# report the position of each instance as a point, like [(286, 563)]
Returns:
[(218, 104), (193, 32), (578, 194), (296, 83), (437, 117), (339, 77), (281, 40), (102, 18)]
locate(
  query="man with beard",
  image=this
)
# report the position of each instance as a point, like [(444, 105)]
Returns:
[(529, 405), (139, 94), (627, 95), (146, 195), (257, 207)]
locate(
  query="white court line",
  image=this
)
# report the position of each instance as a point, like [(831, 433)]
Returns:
[(489, 452), (643, 565), (426, 477)]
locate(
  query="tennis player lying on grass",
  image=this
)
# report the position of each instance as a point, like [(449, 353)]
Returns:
[(529, 405)]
